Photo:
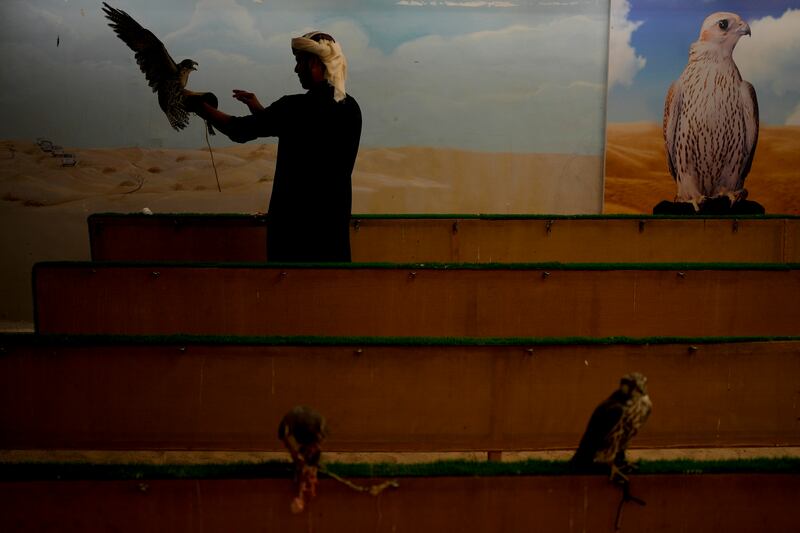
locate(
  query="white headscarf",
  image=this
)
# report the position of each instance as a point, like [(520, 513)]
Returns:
[(330, 53)]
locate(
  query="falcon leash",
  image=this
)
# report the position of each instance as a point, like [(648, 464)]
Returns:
[(374, 490), (213, 165)]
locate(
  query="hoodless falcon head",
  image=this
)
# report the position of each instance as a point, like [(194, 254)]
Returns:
[(724, 30), (633, 385), (186, 67)]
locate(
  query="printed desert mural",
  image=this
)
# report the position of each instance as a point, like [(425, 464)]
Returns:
[(468, 107), (637, 177), (648, 49), (44, 205)]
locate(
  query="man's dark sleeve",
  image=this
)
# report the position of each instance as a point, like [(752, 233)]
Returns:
[(266, 123)]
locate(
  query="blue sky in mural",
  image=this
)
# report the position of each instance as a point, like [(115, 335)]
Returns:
[(517, 75), (650, 42)]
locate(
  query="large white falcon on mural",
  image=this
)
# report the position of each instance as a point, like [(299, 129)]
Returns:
[(711, 117)]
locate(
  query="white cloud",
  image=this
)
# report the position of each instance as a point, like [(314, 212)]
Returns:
[(215, 58), (355, 44), (45, 16), (225, 17), (794, 118), (623, 62), (587, 85), (22, 21), (448, 3), (525, 55), (523, 87), (479, 4), (348, 33), (770, 59), (533, 86)]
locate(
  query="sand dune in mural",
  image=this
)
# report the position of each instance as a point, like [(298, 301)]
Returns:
[(43, 205), (637, 177), (386, 180)]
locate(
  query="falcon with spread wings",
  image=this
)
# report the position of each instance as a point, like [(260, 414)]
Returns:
[(167, 78), (711, 117), (612, 426)]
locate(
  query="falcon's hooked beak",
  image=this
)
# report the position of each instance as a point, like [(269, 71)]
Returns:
[(187, 64), (744, 30)]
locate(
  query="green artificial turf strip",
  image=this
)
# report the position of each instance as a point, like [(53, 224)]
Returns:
[(549, 266), (88, 471), (37, 339), (281, 469), (156, 216), (537, 467)]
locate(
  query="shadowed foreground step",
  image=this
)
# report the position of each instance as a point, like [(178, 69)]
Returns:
[(395, 395), (747, 501), (461, 238), (447, 300)]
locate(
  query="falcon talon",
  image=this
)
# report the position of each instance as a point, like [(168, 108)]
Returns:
[(617, 476), (627, 467)]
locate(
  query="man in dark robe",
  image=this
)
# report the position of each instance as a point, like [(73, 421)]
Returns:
[(318, 136)]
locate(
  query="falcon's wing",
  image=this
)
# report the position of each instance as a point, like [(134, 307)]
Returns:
[(751, 125), (672, 110), (151, 56), (596, 437)]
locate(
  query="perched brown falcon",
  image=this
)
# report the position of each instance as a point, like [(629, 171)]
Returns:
[(612, 426), (302, 431), (711, 117), (166, 78)]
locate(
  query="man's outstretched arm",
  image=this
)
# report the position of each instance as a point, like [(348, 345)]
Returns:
[(218, 119), (239, 129)]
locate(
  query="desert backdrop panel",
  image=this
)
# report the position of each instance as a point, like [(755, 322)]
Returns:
[(649, 45), (455, 121), (637, 177)]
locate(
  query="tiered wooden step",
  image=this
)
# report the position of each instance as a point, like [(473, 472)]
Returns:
[(448, 300), (455, 338), (398, 395), (744, 498), (461, 238)]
